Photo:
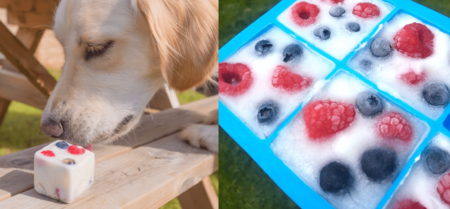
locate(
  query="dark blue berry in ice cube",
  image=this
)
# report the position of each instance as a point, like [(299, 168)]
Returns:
[(436, 94), (69, 161), (263, 47), (323, 32), (353, 27), (62, 145), (337, 11), (365, 64), (380, 47), (369, 103), (267, 113), (379, 163), (291, 52), (438, 160), (335, 178)]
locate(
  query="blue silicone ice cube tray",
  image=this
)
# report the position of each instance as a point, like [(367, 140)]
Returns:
[(258, 144)]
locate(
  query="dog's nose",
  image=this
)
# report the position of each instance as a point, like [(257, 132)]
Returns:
[(52, 128)]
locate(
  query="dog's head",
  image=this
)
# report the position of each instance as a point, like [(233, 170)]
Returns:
[(118, 54)]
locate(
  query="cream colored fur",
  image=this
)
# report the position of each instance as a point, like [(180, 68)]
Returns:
[(151, 42)]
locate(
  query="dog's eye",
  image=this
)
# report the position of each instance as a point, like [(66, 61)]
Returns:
[(93, 51)]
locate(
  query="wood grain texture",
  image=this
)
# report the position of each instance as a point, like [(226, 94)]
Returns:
[(200, 196), (152, 127), (3, 3), (25, 62), (146, 177), (31, 19), (45, 6), (15, 86), (20, 5), (30, 38)]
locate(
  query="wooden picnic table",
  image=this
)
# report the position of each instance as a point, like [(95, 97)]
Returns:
[(145, 170)]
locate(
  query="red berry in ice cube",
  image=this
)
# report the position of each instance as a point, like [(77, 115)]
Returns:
[(333, 1), (413, 78), (324, 118), (394, 126), (337, 1), (444, 188), (366, 10), (234, 79), (289, 81), (75, 150), (408, 204), (48, 153), (304, 14), (414, 40)]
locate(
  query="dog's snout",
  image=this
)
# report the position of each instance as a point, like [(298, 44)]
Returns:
[(52, 128)]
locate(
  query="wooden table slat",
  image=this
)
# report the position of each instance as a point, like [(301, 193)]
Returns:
[(153, 127), (25, 62), (146, 177), (15, 86)]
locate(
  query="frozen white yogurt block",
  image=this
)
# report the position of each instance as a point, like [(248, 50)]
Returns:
[(63, 171)]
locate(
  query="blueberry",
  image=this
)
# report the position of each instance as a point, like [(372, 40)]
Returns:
[(62, 145), (267, 113), (380, 47), (337, 11), (335, 178), (436, 94), (438, 160), (323, 32), (69, 161), (263, 47), (353, 27), (369, 103), (379, 163), (365, 64), (291, 52)]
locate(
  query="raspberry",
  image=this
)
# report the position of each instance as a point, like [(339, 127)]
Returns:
[(413, 78), (394, 126), (366, 10), (304, 14), (323, 118), (444, 188), (408, 204), (414, 40), (75, 150), (337, 1), (289, 81), (234, 79), (48, 153)]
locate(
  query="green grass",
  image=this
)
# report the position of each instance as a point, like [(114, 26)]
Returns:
[(242, 183), (20, 130)]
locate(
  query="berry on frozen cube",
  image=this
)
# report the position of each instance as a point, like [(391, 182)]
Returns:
[(428, 183), (409, 60), (63, 171), (266, 79), (335, 26)]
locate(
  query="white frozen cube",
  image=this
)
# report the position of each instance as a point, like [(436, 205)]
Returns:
[(63, 171)]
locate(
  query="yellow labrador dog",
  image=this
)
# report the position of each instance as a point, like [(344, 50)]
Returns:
[(118, 54)]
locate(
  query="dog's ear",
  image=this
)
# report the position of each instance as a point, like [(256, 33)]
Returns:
[(186, 34)]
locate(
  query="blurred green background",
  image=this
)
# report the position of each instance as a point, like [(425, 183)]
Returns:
[(243, 184)]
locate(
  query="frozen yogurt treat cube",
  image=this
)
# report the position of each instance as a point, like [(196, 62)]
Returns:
[(63, 171)]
